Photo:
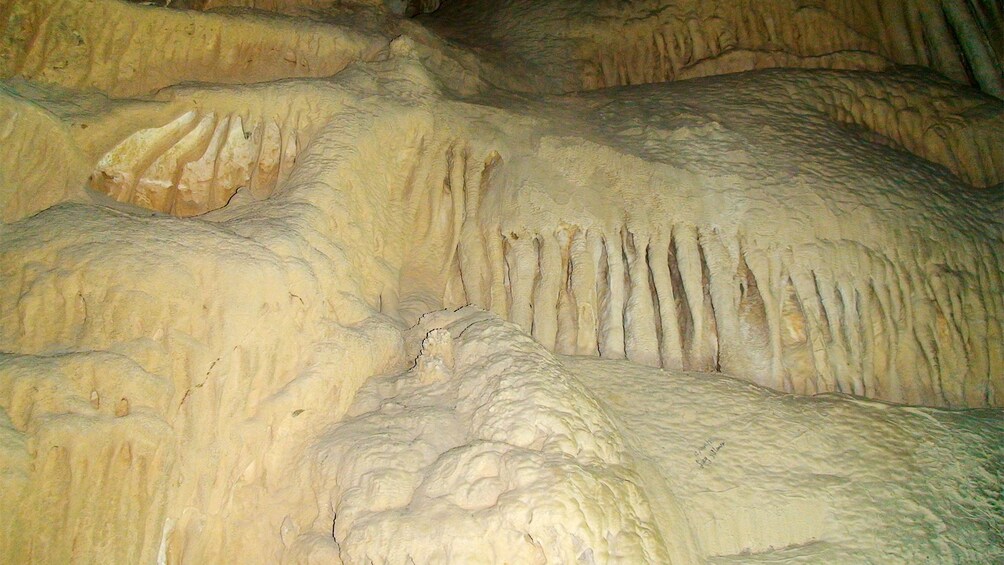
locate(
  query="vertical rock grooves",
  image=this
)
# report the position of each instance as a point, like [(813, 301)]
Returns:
[(125, 49), (930, 118), (196, 162), (101, 450), (620, 295), (28, 182), (955, 38), (809, 319)]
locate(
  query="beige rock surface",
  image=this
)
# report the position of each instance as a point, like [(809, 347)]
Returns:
[(228, 232), (596, 43), (536, 459)]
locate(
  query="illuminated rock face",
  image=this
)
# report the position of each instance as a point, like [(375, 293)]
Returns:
[(228, 236)]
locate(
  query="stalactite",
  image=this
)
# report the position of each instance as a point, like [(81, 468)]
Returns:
[(583, 288), (642, 340), (792, 320), (549, 277), (522, 261), (612, 344), (671, 344)]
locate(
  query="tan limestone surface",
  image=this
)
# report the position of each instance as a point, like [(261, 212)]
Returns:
[(705, 316)]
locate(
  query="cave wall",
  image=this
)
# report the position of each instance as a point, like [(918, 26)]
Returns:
[(228, 231)]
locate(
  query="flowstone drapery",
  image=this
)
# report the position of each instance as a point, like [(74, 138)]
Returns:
[(230, 231)]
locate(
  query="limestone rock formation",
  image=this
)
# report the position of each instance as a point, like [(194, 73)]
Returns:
[(501, 281)]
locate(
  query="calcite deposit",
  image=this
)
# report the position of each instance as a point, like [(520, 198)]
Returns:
[(499, 281)]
